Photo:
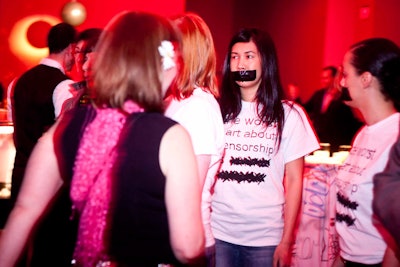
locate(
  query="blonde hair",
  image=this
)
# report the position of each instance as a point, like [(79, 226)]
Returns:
[(128, 64), (198, 55)]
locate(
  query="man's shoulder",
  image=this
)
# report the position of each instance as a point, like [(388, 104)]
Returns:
[(43, 77), (320, 91), (40, 68), (39, 71), (316, 97)]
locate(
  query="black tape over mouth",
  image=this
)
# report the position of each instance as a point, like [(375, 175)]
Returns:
[(244, 75)]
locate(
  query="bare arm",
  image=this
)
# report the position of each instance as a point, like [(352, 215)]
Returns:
[(390, 259), (203, 164), (293, 190), (42, 180), (338, 262), (183, 194)]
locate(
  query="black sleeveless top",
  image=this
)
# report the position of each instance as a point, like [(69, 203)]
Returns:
[(138, 224)]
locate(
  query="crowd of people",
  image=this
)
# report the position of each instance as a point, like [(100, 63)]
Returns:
[(129, 152)]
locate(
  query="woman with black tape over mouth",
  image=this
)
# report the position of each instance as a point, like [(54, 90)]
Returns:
[(246, 68), (253, 219)]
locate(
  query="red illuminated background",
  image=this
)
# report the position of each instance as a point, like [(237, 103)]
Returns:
[(309, 34)]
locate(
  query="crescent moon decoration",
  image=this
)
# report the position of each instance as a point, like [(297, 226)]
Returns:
[(19, 43)]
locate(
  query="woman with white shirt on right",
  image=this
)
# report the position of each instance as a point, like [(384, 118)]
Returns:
[(371, 75)]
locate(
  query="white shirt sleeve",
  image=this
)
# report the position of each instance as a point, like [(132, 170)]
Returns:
[(298, 137), (9, 96), (61, 93)]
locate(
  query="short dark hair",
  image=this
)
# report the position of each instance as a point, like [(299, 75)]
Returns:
[(88, 34), (333, 70), (60, 37), (91, 36)]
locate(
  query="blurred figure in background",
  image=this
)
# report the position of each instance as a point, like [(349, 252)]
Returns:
[(293, 93), (84, 54), (37, 99), (192, 103), (39, 95), (133, 173), (84, 37), (258, 191), (371, 75), (333, 121)]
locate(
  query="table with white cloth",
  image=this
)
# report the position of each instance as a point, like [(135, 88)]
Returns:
[(316, 242)]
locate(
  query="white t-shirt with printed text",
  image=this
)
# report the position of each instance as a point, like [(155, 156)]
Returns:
[(247, 205), (360, 239)]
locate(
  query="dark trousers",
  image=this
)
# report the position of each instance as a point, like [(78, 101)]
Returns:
[(357, 264)]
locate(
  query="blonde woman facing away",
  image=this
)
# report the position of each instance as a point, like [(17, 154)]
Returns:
[(192, 103)]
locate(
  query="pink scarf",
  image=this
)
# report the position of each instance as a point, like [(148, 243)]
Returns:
[(91, 182)]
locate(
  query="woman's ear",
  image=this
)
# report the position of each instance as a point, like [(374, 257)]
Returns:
[(366, 79)]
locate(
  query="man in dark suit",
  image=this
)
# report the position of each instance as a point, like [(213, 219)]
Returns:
[(38, 95), (333, 121)]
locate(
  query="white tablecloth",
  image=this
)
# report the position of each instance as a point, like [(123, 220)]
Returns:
[(316, 240)]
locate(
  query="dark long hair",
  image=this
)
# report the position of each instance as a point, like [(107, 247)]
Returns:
[(270, 92), (380, 57)]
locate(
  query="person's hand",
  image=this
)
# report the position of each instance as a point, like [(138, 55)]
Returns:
[(282, 255), (338, 262)]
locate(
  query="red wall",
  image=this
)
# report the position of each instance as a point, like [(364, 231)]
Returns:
[(309, 34), (98, 14)]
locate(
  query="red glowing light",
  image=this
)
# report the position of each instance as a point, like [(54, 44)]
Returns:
[(365, 11)]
